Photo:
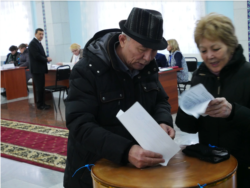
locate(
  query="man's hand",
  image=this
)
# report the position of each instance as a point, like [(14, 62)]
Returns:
[(49, 59), (219, 107), (169, 130), (140, 157)]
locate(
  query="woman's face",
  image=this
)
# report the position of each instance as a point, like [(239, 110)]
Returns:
[(76, 51), (169, 48), (21, 50), (214, 54)]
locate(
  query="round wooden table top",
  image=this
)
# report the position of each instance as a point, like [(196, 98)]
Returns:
[(181, 171)]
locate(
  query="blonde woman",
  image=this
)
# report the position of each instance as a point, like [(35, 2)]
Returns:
[(225, 74), (176, 59), (77, 54)]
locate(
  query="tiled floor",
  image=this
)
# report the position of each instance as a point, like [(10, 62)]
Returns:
[(22, 175)]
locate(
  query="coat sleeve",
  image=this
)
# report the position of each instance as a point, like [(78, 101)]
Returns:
[(6, 58), (184, 121), (241, 116), (34, 52), (81, 119), (162, 110), (27, 61)]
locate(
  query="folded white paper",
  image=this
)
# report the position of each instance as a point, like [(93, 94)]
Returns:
[(195, 100), (147, 132)]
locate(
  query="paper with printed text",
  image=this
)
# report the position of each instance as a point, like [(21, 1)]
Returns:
[(195, 100)]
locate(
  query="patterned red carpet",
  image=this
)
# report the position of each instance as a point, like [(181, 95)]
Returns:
[(40, 145)]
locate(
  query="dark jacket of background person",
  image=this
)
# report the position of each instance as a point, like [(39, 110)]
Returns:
[(38, 59), (161, 60), (98, 90), (24, 59), (232, 133), (177, 59), (13, 58)]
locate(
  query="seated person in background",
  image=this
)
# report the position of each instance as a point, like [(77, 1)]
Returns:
[(24, 60), (77, 53), (24, 56), (12, 57), (225, 74), (161, 60), (176, 59)]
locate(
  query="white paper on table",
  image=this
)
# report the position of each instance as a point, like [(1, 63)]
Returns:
[(69, 63), (8, 66), (147, 132), (165, 69), (195, 100)]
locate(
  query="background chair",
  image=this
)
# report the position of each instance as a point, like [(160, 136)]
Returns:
[(62, 73), (192, 66)]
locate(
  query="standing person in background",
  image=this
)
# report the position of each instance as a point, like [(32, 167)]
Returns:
[(13, 56), (77, 54), (176, 59), (38, 67)]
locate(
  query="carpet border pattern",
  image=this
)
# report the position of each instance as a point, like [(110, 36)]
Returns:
[(35, 128)]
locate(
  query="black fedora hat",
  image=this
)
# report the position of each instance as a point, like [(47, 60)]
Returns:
[(146, 27)]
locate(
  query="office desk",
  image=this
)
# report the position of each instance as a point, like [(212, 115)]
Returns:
[(14, 82), (168, 80)]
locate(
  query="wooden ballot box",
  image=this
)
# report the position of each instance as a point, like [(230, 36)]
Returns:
[(181, 172)]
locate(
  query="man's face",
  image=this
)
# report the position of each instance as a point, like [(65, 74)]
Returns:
[(134, 55), (13, 52), (39, 35)]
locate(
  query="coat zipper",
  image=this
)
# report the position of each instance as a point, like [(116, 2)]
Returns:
[(218, 92)]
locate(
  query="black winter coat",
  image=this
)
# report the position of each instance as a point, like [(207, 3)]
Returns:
[(98, 90), (232, 133)]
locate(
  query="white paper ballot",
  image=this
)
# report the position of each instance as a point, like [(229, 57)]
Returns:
[(195, 100), (147, 132)]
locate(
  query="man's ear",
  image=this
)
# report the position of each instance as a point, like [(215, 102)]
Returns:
[(122, 40)]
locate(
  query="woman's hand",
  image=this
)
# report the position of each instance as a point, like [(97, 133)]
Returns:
[(219, 107), (59, 63), (169, 130)]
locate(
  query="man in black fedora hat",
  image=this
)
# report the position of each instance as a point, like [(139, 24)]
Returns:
[(118, 68)]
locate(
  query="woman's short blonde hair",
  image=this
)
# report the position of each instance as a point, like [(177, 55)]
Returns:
[(174, 45), (75, 46), (216, 27)]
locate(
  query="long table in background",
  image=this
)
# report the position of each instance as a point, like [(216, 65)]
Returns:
[(168, 80), (14, 82)]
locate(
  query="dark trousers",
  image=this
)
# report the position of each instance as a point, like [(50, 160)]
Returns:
[(39, 81)]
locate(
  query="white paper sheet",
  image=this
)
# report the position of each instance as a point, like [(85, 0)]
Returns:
[(147, 132), (165, 69), (195, 100), (8, 66)]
